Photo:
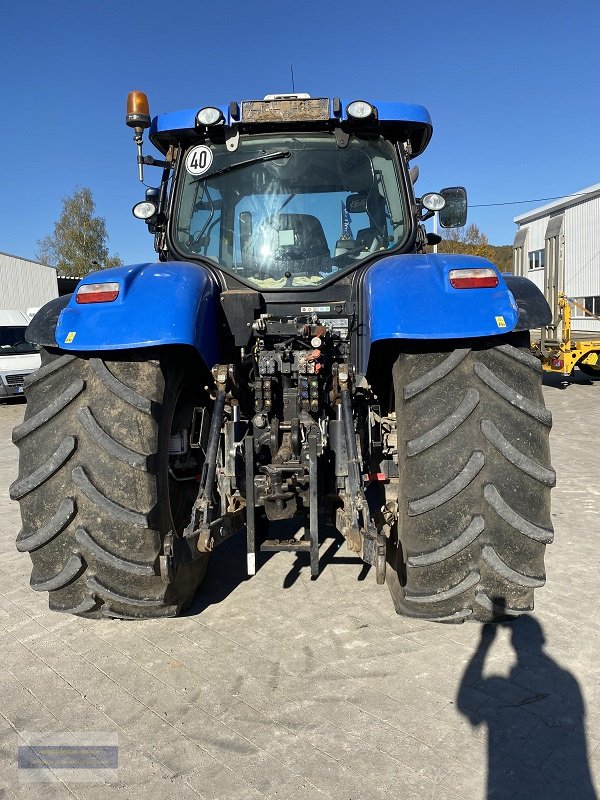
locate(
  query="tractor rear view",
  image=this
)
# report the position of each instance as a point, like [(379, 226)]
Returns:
[(294, 355)]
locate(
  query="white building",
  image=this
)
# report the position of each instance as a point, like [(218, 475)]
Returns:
[(557, 246), (25, 284)]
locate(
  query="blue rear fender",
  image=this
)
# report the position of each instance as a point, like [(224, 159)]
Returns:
[(167, 303), (411, 297)]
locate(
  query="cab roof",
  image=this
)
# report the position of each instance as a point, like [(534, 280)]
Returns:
[(398, 121)]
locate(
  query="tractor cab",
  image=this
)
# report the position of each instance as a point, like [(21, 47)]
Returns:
[(290, 191)]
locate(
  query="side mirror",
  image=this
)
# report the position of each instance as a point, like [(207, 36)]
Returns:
[(356, 203), (454, 213)]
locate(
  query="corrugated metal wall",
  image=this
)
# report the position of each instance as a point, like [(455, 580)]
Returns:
[(536, 239), (25, 284), (536, 232), (582, 258), (581, 232), (582, 249)]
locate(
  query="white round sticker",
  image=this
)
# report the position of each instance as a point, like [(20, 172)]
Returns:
[(198, 160)]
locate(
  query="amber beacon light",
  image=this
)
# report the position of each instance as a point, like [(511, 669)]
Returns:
[(138, 110), (138, 117)]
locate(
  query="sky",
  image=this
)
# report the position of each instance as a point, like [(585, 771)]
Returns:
[(511, 88)]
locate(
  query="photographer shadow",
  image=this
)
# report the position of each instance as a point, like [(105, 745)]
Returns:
[(535, 720)]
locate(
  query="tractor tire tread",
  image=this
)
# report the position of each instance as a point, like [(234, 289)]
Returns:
[(450, 489), (67, 574), (89, 486), (120, 389), (535, 410), (32, 540), (470, 580), (523, 356), (82, 609), (125, 515), (507, 572), (50, 411), (436, 374), (446, 427), (454, 546), (527, 465), (48, 369), (87, 543), (515, 520), (484, 601), (25, 485), (99, 589), (474, 481), (108, 443)]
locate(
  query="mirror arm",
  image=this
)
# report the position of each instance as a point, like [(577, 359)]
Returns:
[(150, 161)]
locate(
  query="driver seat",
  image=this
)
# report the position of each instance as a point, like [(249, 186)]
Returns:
[(292, 243)]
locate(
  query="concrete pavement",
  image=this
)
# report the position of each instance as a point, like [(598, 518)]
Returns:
[(282, 688)]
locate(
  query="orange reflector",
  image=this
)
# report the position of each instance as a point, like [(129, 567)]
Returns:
[(482, 278), (97, 293)]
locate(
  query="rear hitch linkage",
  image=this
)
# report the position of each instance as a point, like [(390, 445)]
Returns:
[(354, 519)]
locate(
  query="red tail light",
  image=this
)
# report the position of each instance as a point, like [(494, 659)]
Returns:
[(481, 278), (97, 293)]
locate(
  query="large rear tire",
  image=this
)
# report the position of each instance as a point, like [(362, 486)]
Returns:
[(475, 480), (94, 485)]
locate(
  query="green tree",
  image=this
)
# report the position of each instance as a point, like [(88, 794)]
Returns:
[(79, 242), (503, 257)]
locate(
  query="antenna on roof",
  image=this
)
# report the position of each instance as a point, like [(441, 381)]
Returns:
[(292, 71)]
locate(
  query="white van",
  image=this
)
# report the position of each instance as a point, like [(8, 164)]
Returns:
[(17, 357)]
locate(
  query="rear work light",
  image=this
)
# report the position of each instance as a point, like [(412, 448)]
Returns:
[(360, 109), (209, 116), (473, 278), (97, 293)]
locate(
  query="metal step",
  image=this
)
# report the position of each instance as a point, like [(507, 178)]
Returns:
[(273, 545), (309, 544)]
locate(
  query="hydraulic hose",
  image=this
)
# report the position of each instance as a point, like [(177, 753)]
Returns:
[(210, 462)]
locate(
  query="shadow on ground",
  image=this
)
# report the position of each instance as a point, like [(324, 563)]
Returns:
[(330, 555), (226, 571), (227, 568), (576, 378), (535, 719)]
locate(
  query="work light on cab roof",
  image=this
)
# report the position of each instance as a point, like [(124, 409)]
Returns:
[(360, 109), (209, 116)]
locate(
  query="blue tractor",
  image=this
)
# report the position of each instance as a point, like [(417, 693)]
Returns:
[(295, 358)]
